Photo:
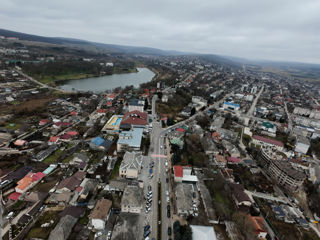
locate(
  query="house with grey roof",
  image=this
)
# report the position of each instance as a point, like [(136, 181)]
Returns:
[(63, 228), (131, 165)]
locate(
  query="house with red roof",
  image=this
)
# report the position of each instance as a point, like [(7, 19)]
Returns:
[(134, 119), (109, 104), (73, 113), (54, 140), (111, 96), (216, 136), (182, 130), (73, 133), (259, 140), (28, 181), (101, 112), (259, 228), (234, 160), (43, 122), (20, 143), (183, 174), (14, 196)]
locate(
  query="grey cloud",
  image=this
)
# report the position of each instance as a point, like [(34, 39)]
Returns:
[(277, 30)]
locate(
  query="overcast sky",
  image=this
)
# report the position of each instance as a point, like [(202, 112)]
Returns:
[(258, 29)]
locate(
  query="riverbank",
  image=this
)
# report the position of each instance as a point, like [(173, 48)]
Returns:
[(108, 82), (51, 80)]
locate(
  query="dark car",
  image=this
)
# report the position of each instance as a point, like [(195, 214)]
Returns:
[(167, 180), (146, 234), (116, 210), (168, 207), (169, 231), (168, 214), (146, 228)]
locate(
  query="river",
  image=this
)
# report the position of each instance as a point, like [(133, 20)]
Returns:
[(108, 82)]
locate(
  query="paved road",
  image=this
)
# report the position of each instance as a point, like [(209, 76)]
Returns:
[(253, 106), (286, 109), (157, 148)]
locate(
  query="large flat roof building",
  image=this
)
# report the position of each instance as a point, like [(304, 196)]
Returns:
[(130, 140)]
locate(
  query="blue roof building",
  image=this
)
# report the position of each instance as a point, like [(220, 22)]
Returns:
[(49, 169), (99, 143), (231, 106)]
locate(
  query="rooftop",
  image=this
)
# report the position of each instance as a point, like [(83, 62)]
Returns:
[(132, 196), (203, 232), (101, 210), (268, 140), (131, 138), (131, 160), (135, 118)]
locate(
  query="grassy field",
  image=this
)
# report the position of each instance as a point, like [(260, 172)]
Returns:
[(68, 76), (121, 70), (71, 76), (13, 126), (45, 187), (53, 157), (43, 233), (67, 159), (115, 171), (28, 106)]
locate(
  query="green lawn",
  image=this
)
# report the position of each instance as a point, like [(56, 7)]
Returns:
[(38, 232), (219, 198), (53, 157), (67, 159), (43, 233), (15, 102), (115, 171), (84, 220), (13, 126), (17, 204), (68, 76)]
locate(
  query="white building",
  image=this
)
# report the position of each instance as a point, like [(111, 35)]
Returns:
[(199, 100), (131, 165), (203, 232), (302, 145), (136, 104)]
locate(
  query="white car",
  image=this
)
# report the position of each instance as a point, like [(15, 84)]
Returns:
[(10, 215), (109, 235), (98, 234)]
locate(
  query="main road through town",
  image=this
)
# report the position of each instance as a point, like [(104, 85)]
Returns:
[(157, 154)]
